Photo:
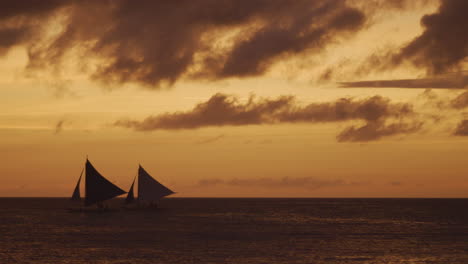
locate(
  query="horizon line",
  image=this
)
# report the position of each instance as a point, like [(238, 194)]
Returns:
[(247, 197)]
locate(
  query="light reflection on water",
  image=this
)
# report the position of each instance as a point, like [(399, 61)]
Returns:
[(332, 231)]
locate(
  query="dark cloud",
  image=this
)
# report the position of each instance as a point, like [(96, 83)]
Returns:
[(453, 81), (12, 9), (443, 45), (158, 42), (224, 110), (331, 72), (254, 55), (378, 129), (59, 126), (285, 182), (458, 103), (374, 6), (20, 20), (219, 110), (10, 37), (462, 128), (441, 48), (461, 101), (454, 105)]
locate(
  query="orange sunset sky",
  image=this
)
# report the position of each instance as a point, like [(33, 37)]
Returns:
[(227, 98)]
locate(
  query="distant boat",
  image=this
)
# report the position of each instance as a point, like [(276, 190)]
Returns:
[(97, 188), (149, 189)]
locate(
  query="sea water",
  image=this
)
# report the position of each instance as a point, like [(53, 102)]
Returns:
[(188, 230)]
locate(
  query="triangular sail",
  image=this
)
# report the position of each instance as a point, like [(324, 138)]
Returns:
[(76, 193), (130, 196), (98, 188), (150, 189)]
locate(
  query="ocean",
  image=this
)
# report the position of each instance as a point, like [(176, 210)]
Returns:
[(234, 230)]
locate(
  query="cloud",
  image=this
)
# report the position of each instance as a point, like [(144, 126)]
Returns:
[(285, 182), (458, 103), (376, 130), (462, 128), (453, 81), (219, 110), (254, 55), (443, 45), (20, 21), (441, 48), (374, 6), (225, 110), (11, 9), (59, 126), (10, 37), (156, 43), (461, 101), (211, 139)]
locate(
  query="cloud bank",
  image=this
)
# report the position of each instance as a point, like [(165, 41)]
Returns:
[(21, 22), (460, 102), (376, 130), (452, 81), (156, 43), (440, 49), (443, 46), (462, 128), (380, 115)]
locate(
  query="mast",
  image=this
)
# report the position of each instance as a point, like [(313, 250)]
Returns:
[(76, 193), (150, 189), (98, 188)]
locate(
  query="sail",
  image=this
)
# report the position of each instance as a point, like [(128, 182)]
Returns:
[(150, 189), (76, 193), (98, 188), (130, 197)]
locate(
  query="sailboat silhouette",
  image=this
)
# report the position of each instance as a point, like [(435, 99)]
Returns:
[(149, 189), (97, 188)]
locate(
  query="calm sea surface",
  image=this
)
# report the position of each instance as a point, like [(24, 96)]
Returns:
[(41, 230)]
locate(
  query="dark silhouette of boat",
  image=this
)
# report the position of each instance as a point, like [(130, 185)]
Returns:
[(150, 191), (97, 189)]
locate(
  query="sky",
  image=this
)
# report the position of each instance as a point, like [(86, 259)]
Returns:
[(227, 98)]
